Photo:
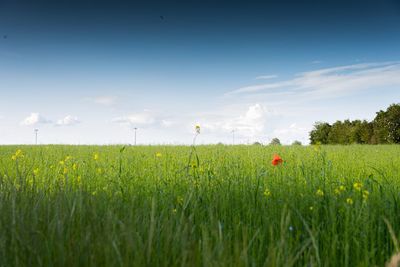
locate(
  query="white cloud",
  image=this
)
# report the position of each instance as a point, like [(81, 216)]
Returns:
[(266, 77), (105, 100), (167, 123), (251, 124), (292, 133), (34, 119), (67, 121), (145, 118), (332, 82)]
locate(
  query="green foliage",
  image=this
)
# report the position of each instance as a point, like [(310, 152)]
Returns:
[(275, 142), (384, 129), (296, 143), (145, 206), (387, 125), (320, 133)]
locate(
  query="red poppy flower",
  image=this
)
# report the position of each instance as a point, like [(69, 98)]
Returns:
[(277, 160)]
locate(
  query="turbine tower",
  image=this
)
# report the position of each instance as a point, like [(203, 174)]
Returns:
[(135, 129), (36, 135)]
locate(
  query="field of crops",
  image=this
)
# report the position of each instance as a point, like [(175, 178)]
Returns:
[(212, 206)]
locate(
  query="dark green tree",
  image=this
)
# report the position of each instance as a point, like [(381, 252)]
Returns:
[(355, 132), (366, 132), (340, 133), (275, 141), (320, 133), (384, 129), (296, 143), (387, 125)]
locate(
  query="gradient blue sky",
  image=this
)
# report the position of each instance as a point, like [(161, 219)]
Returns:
[(86, 72)]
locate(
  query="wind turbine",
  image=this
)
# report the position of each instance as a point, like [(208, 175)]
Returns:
[(135, 129), (36, 135)]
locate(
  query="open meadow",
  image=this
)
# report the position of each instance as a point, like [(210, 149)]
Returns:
[(205, 206)]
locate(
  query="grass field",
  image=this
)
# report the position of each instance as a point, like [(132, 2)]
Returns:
[(215, 206)]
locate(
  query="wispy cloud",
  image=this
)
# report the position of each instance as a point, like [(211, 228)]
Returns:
[(168, 123), (332, 82), (266, 77), (34, 119), (136, 119), (105, 100), (68, 121), (146, 118)]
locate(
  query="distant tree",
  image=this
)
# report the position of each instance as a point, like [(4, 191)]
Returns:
[(320, 133), (296, 143), (340, 133), (257, 144), (384, 129), (366, 132), (387, 125), (354, 132), (351, 132), (336, 133), (275, 141)]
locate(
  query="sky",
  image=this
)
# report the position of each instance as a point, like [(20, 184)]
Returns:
[(88, 72)]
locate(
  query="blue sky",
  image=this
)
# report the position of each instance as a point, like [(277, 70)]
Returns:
[(86, 72)]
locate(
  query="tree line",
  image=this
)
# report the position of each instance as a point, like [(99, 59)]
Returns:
[(384, 129)]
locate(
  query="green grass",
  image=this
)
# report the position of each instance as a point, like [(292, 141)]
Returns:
[(223, 206)]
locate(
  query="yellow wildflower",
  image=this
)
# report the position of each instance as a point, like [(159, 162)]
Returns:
[(96, 156), (65, 171), (36, 171), (365, 195), (339, 190), (349, 201), (62, 163), (320, 193), (357, 186), (179, 200), (267, 193), (158, 155), (18, 154), (74, 166), (317, 147)]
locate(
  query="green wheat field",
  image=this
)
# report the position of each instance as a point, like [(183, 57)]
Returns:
[(209, 205)]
